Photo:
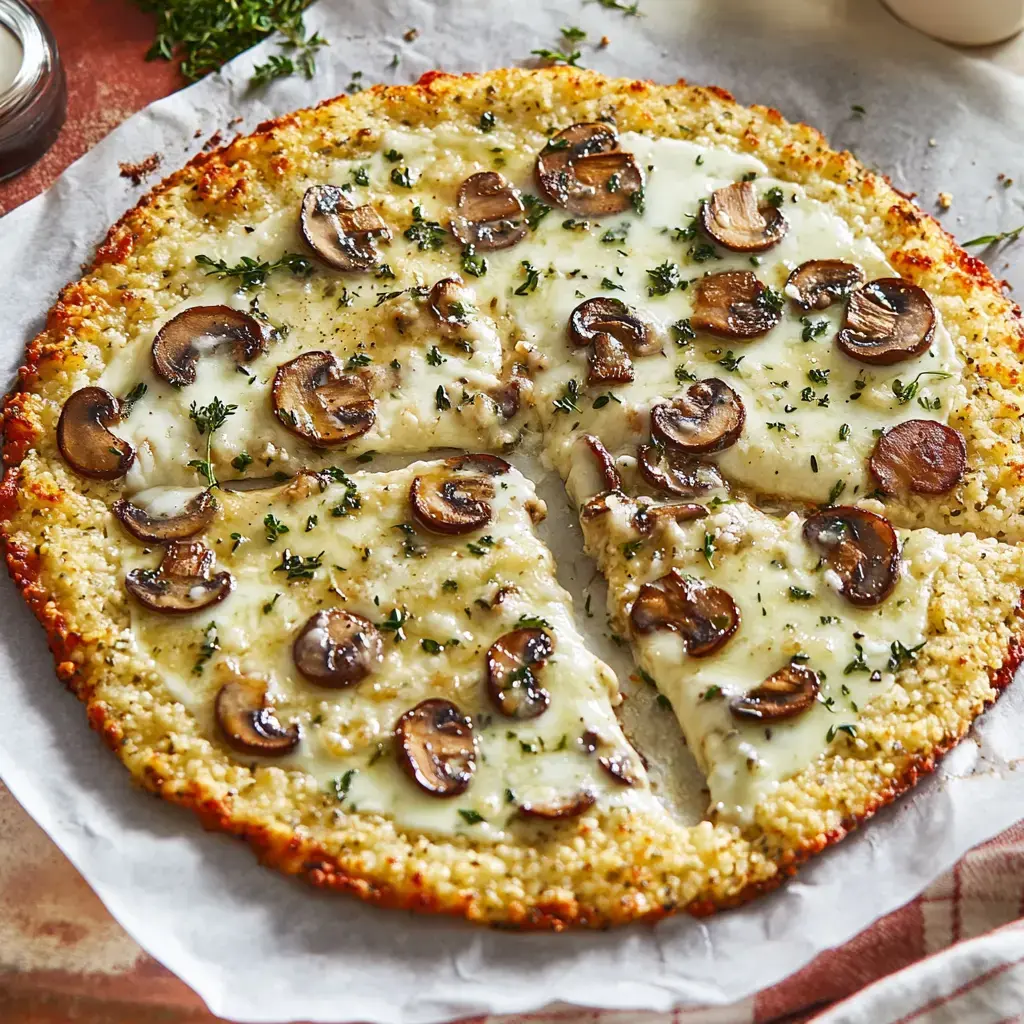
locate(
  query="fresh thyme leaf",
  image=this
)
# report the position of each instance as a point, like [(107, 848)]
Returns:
[(251, 273), (470, 816), (850, 730), (434, 357), (664, 278), (709, 549), (730, 361), (242, 461), (573, 34), (487, 121), (208, 420), (128, 402), (274, 527), (683, 332), (837, 488), (441, 399), (774, 196), (799, 594), (902, 655), (299, 567), (629, 9), (402, 176), (907, 392), (341, 785), (532, 622), (536, 211), (475, 266), (395, 623), (567, 403), (1005, 236), (532, 278), (812, 328), (427, 234), (558, 57), (207, 649)]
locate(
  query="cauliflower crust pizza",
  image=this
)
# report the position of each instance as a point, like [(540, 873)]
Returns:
[(784, 402)]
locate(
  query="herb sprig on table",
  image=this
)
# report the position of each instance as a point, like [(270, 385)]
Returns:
[(205, 34)]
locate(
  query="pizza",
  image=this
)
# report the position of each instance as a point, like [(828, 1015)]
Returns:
[(261, 490)]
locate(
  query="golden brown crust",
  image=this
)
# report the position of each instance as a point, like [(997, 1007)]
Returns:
[(608, 868)]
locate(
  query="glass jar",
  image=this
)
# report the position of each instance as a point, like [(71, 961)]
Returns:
[(33, 95)]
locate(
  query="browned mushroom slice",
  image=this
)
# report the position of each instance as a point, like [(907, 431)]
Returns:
[(453, 498), (84, 439), (571, 806), (861, 548), (733, 304), (249, 724), (919, 457), (704, 616), (513, 662), (489, 213), (183, 582), (789, 692), (445, 304), (601, 504), (621, 767), (314, 398), (816, 283), (733, 219), (341, 236), (707, 417), (604, 316), (648, 517), (337, 648), (196, 331), (436, 747), (593, 468), (583, 170), (608, 362), (672, 471), (887, 321), (194, 518)]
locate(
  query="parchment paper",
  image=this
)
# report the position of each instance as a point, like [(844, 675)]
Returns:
[(258, 947)]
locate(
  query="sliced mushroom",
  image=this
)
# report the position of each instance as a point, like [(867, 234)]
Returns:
[(436, 747), (84, 439), (789, 692), (621, 767), (489, 213), (342, 236), (593, 469), (704, 616), (919, 457), (445, 304), (571, 806), (733, 219), (194, 518), (249, 724), (608, 362), (887, 321), (601, 504), (337, 648), (733, 304), (670, 470), (583, 170), (648, 517), (861, 548), (192, 333), (816, 283), (452, 498), (707, 417), (314, 398), (513, 662), (605, 316), (183, 582)]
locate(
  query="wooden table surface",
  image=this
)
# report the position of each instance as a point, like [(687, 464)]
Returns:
[(62, 957)]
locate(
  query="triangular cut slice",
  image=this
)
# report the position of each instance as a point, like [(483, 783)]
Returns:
[(816, 663)]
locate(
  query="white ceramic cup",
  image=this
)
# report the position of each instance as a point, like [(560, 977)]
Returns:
[(963, 22)]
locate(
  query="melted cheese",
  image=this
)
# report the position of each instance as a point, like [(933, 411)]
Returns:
[(812, 412), (789, 606), (447, 587)]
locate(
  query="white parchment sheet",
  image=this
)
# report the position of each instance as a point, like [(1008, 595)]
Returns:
[(258, 947)]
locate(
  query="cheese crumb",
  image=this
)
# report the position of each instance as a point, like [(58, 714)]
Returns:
[(945, 200)]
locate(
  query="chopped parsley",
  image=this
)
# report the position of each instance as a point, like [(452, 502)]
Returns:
[(663, 279), (683, 332), (536, 211)]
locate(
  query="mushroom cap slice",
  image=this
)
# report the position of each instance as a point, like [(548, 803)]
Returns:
[(84, 439), (784, 694), (704, 616), (248, 724), (314, 398), (648, 517), (621, 767), (183, 582), (436, 747), (513, 662), (861, 548), (670, 470), (340, 235), (816, 283), (571, 806), (608, 362), (194, 518), (593, 468), (583, 170), (453, 498), (603, 315), (732, 304), (887, 321), (489, 213), (445, 304), (337, 648), (733, 219), (200, 329), (919, 457), (707, 417)]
